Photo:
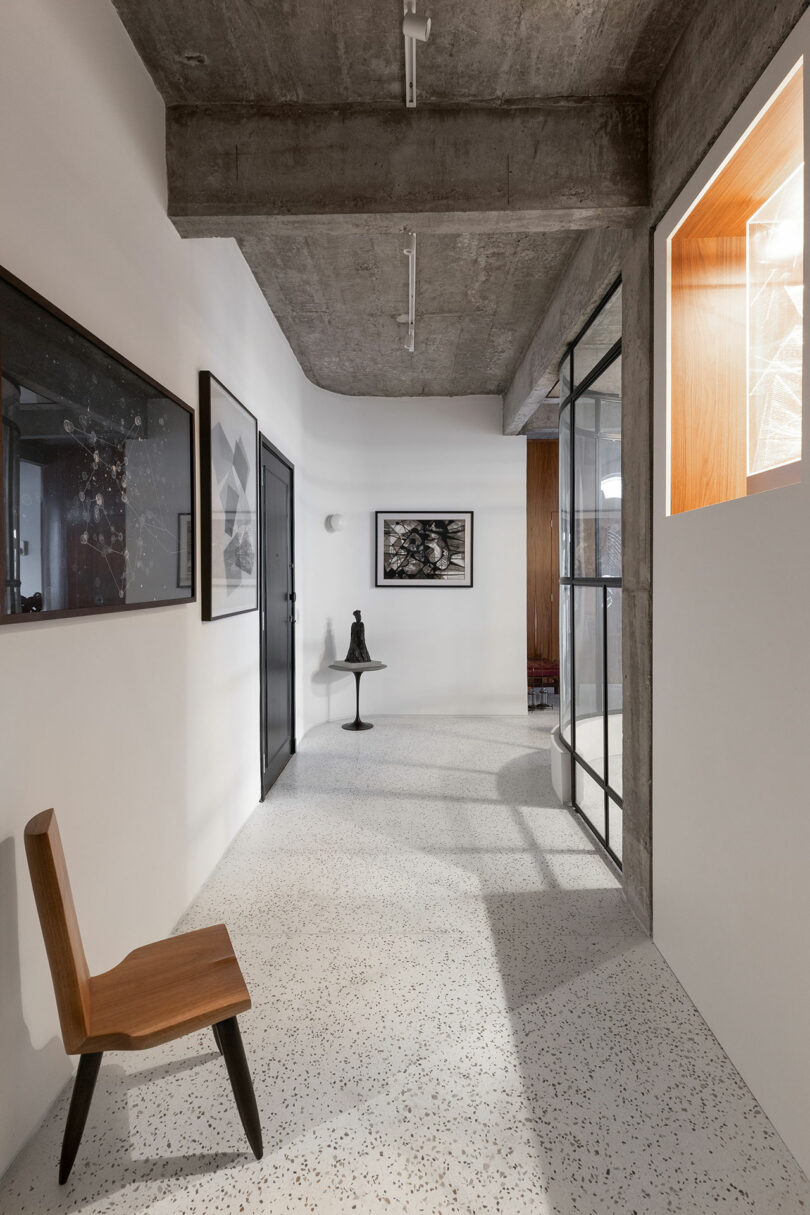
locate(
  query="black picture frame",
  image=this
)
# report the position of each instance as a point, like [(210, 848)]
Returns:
[(161, 392), (185, 549), (210, 601), (380, 581)]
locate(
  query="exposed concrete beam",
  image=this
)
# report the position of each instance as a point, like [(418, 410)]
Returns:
[(572, 160), (545, 417), (594, 266), (436, 223)]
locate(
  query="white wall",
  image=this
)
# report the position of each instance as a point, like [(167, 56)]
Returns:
[(140, 728), (731, 654), (448, 651)]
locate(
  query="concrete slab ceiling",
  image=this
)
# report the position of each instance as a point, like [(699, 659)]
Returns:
[(349, 52), (286, 129)]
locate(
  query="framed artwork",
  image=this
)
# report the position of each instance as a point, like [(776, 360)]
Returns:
[(185, 550), (97, 465), (229, 445), (424, 548)]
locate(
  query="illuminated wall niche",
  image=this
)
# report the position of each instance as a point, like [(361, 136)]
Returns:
[(736, 283)]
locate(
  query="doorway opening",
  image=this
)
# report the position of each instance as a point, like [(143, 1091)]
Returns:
[(277, 613), (542, 571)]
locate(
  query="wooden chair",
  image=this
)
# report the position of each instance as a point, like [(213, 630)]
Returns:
[(159, 992)]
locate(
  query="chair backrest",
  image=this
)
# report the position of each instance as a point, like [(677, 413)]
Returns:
[(60, 928)]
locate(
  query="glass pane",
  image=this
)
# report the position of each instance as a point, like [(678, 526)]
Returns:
[(589, 676), (615, 828), (614, 688), (608, 403), (775, 262), (598, 477), (591, 800), (565, 492), (565, 663), (585, 499), (97, 485), (603, 332), (565, 377)]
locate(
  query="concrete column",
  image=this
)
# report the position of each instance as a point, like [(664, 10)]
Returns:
[(637, 465)]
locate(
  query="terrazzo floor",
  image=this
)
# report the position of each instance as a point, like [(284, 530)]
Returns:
[(453, 1012)]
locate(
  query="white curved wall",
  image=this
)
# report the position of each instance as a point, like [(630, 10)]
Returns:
[(448, 651)]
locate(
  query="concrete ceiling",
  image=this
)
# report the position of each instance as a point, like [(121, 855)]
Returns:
[(337, 299), (349, 52), (286, 129)]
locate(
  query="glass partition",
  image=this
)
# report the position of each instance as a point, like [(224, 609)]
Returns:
[(590, 571)]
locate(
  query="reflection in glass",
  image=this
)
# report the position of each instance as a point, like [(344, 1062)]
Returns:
[(601, 336), (591, 800), (565, 377), (598, 477), (565, 663), (585, 489), (96, 471), (565, 492), (590, 610), (614, 687), (615, 828), (589, 676), (775, 277)]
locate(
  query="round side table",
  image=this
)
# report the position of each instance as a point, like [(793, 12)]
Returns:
[(357, 669)]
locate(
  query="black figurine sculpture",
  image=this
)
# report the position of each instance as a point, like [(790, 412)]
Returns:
[(357, 646)]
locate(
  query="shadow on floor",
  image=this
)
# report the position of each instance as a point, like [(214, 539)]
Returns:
[(108, 1161)]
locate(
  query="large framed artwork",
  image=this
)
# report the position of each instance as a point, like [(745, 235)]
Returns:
[(229, 445), (424, 548), (97, 465)]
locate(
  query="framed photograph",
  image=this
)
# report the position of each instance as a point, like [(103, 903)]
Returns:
[(229, 446), (424, 548), (97, 466), (185, 551)]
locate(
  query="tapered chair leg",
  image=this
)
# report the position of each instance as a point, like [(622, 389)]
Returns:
[(230, 1042), (215, 1028), (83, 1088)]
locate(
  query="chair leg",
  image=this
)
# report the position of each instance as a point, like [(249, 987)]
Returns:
[(83, 1088), (215, 1028), (230, 1042)]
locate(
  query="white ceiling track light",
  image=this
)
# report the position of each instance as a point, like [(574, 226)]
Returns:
[(410, 253), (415, 29)]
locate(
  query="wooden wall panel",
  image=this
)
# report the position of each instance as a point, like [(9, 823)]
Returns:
[(542, 553), (708, 357), (771, 151), (708, 371)]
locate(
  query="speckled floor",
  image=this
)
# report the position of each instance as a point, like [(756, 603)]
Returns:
[(453, 1011)]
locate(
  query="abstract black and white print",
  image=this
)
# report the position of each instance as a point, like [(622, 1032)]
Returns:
[(230, 549), (420, 548)]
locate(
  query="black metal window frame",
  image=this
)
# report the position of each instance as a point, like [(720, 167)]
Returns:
[(573, 581)]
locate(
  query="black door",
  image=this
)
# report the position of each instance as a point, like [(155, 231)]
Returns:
[(277, 614)]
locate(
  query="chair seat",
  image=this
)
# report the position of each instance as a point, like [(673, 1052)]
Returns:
[(164, 990)]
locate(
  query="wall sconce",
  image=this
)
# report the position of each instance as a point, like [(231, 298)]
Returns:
[(335, 523)]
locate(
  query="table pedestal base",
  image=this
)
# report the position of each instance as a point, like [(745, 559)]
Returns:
[(357, 724)]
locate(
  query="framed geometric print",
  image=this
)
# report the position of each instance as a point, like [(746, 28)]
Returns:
[(229, 439)]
